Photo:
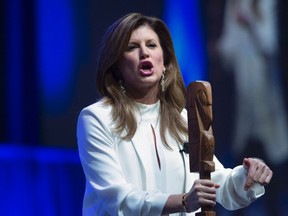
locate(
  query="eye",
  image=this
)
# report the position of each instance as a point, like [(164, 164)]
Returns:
[(151, 45), (131, 47)]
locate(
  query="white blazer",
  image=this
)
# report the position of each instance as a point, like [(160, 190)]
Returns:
[(124, 178)]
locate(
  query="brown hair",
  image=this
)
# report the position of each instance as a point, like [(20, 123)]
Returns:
[(173, 99)]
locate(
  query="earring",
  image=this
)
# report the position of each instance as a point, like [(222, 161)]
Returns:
[(121, 86), (162, 83)]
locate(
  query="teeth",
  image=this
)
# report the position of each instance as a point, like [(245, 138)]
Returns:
[(146, 65)]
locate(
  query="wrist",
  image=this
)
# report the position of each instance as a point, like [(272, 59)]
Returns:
[(184, 203)]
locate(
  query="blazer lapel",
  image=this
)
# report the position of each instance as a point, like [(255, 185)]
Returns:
[(142, 142)]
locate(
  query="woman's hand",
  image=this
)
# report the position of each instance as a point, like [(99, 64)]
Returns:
[(202, 193), (257, 172)]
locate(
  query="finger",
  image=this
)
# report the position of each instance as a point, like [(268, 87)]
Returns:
[(249, 178), (209, 186), (269, 177), (207, 201), (266, 176), (255, 171), (209, 190), (209, 193), (262, 176), (207, 182), (248, 183), (262, 171), (246, 163), (209, 196)]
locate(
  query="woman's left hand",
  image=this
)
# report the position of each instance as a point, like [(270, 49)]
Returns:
[(257, 172)]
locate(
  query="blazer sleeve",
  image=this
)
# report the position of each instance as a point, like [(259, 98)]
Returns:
[(107, 191)]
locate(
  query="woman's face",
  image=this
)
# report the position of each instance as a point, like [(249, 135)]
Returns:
[(142, 64)]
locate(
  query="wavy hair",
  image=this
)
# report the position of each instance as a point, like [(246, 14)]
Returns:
[(172, 100)]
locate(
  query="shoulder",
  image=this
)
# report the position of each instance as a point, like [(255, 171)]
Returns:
[(99, 110), (98, 106)]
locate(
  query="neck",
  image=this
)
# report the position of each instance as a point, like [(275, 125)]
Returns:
[(146, 100), (144, 97)]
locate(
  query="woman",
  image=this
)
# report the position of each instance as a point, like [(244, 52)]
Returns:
[(130, 141)]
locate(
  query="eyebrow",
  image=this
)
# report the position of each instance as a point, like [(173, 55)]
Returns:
[(148, 40)]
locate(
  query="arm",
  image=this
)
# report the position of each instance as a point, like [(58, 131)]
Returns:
[(107, 190), (230, 190), (173, 204), (235, 189)]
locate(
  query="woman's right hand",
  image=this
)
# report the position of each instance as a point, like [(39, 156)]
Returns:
[(202, 194)]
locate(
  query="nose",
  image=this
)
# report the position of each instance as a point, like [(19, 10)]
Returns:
[(143, 53)]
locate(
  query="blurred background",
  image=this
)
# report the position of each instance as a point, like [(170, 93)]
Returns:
[(48, 56)]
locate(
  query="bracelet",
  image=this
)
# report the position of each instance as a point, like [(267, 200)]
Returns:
[(184, 205)]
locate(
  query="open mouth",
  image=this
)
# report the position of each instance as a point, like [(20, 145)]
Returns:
[(146, 68)]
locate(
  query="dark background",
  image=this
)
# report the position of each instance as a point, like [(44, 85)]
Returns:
[(48, 55)]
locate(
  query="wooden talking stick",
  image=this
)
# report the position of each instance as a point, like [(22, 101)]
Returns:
[(201, 139)]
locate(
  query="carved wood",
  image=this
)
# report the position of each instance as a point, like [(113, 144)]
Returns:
[(201, 139)]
